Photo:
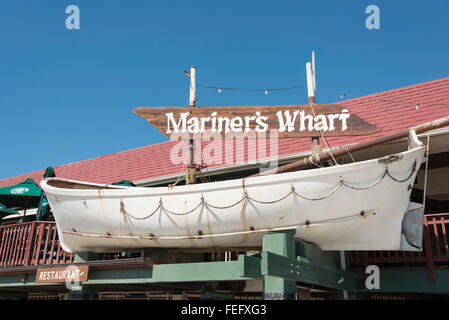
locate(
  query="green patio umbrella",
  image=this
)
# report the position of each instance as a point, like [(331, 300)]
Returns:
[(126, 183), (43, 209), (4, 211), (22, 195), (49, 173)]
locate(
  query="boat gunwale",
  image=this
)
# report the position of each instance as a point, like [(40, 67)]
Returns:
[(116, 191)]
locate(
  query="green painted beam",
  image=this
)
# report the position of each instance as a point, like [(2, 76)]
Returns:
[(250, 267), (307, 271), (275, 266), (411, 281), (280, 242), (245, 268), (313, 252)]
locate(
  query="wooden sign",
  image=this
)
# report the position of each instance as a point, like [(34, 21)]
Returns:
[(62, 274), (290, 121)]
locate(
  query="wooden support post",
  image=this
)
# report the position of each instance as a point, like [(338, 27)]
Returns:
[(191, 168), (317, 148), (281, 243), (311, 90), (84, 292), (428, 252)]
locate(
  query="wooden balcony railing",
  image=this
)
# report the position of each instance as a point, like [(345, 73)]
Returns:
[(31, 243), (36, 243), (435, 249)]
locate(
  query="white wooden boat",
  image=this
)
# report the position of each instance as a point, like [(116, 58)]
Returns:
[(358, 206)]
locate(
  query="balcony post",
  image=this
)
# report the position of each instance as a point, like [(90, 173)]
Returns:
[(30, 244), (428, 252)]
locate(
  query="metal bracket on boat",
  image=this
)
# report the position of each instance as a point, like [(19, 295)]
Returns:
[(390, 158)]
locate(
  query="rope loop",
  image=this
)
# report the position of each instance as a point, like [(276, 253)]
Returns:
[(246, 196), (406, 179)]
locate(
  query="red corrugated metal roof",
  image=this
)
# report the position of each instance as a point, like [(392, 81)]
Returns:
[(390, 110)]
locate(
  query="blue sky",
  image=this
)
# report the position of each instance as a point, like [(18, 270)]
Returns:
[(68, 95)]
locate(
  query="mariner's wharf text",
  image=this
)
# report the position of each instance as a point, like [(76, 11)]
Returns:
[(287, 122)]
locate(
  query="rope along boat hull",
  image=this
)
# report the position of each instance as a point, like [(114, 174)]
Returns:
[(358, 206)]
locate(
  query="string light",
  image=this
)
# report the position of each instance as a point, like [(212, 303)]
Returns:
[(341, 95), (264, 90)]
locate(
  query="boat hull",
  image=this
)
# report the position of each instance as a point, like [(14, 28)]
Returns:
[(357, 206)]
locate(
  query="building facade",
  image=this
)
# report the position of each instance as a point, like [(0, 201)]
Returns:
[(283, 268)]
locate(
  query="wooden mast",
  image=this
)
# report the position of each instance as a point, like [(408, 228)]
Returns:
[(311, 90), (191, 167)]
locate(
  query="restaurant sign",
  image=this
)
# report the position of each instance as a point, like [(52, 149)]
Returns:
[(290, 121), (62, 274)]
